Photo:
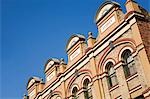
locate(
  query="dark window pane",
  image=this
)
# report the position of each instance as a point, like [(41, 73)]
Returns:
[(140, 97), (87, 90), (112, 78), (74, 92), (128, 63)]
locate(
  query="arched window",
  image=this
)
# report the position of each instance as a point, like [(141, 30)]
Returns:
[(87, 89), (74, 92), (112, 78), (128, 63)]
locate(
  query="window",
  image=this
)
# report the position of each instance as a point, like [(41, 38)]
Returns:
[(87, 89), (74, 93), (140, 97), (128, 63), (57, 70), (112, 78)]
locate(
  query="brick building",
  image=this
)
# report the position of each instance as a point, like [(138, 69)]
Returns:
[(114, 65)]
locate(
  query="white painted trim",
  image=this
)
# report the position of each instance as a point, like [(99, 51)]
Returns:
[(75, 54), (134, 89), (86, 58), (103, 75), (117, 66), (86, 77), (104, 67), (75, 85), (125, 48), (147, 94), (107, 24)]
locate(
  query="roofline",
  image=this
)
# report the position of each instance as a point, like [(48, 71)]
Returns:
[(81, 37), (102, 5)]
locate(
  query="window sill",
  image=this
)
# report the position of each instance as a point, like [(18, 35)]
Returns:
[(131, 76), (113, 87)]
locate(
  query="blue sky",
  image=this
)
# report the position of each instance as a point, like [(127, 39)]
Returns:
[(34, 31)]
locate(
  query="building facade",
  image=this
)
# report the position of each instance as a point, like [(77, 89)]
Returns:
[(114, 65)]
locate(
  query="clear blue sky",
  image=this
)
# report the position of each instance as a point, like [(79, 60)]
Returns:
[(34, 31)]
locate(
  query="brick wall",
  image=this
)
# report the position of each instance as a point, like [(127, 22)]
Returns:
[(144, 27)]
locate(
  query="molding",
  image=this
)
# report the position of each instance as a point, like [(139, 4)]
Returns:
[(99, 47), (135, 89), (114, 87), (105, 63)]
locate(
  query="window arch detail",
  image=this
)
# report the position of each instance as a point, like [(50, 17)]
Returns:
[(128, 63), (104, 68), (111, 78), (74, 92), (87, 89), (123, 49)]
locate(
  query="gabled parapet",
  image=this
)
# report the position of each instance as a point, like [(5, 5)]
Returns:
[(34, 86), (100, 59), (133, 7), (108, 17), (53, 68), (75, 48)]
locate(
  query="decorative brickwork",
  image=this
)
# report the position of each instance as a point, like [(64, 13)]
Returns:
[(144, 28), (115, 65)]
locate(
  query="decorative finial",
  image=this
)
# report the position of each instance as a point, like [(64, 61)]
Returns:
[(76, 72), (111, 44), (25, 96), (90, 35), (62, 60), (41, 80)]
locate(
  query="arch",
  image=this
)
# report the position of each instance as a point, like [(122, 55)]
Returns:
[(104, 68), (111, 78), (50, 62), (123, 49), (86, 82), (33, 80), (108, 50), (128, 62), (55, 93), (74, 92), (73, 40), (80, 72), (73, 86), (87, 89), (85, 77), (104, 9)]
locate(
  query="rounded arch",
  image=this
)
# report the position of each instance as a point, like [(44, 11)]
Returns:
[(110, 60), (33, 80), (116, 44), (74, 86), (55, 93), (74, 91), (104, 9), (85, 71), (84, 78), (80, 72), (122, 50), (73, 40)]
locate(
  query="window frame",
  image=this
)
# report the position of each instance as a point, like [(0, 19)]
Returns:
[(128, 63), (74, 92), (111, 76), (87, 89)]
